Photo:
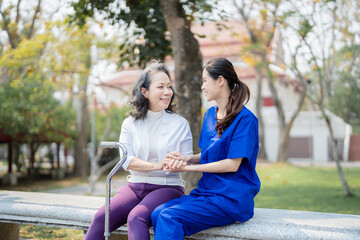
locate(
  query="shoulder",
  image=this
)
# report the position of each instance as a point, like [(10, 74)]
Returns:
[(246, 113), (175, 118), (245, 116), (210, 112), (128, 122)]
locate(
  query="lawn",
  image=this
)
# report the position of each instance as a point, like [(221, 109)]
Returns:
[(283, 187), (307, 188)]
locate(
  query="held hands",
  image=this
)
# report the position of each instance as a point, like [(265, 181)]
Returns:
[(174, 162)]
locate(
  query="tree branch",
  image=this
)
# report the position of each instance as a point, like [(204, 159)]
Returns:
[(33, 20), (18, 11)]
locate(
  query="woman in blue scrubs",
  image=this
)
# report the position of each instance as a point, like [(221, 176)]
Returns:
[(229, 148)]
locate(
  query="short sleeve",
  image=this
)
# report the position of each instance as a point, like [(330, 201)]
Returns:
[(206, 126), (126, 138), (245, 139)]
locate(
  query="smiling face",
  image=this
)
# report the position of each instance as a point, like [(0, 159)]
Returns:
[(210, 86), (159, 93)]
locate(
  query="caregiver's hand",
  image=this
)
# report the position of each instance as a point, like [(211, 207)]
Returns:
[(173, 160)]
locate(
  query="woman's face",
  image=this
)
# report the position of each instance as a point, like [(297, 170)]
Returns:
[(159, 93), (210, 86)]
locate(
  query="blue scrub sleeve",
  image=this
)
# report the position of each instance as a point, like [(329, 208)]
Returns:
[(244, 140), (203, 130)]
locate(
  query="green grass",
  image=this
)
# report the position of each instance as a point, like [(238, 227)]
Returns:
[(40, 232), (308, 189)]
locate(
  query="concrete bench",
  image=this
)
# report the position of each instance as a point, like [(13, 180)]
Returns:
[(70, 211)]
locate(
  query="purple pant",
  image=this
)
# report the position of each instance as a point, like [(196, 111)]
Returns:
[(133, 204)]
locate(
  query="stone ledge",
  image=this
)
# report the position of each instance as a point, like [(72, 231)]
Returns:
[(70, 211)]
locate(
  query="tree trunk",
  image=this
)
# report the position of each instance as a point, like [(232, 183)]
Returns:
[(285, 135), (82, 117), (188, 71), (96, 172), (262, 152), (336, 156)]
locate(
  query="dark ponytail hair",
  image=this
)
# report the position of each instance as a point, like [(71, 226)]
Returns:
[(240, 93), (140, 104)]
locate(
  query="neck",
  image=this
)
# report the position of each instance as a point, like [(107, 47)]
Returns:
[(222, 102)]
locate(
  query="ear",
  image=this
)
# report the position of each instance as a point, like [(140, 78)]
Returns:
[(144, 92), (221, 81)]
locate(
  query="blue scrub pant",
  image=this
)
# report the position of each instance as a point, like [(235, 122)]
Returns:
[(185, 216)]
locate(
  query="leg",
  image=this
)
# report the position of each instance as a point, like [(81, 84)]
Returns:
[(120, 206), (155, 214), (139, 218), (188, 217)]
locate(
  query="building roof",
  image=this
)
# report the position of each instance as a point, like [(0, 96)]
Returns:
[(216, 39)]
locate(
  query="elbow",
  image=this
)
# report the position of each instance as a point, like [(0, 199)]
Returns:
[(234, 169), (235, 164)]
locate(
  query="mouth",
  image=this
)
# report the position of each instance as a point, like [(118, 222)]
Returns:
[(165, 99)]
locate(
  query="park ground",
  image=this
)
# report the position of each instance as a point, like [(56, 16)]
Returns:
[(302, 187)]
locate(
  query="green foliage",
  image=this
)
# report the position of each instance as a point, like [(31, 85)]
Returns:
[(304, 28), (149, 38), (117, 116), (150, 31), (346, 98), (28, 110)]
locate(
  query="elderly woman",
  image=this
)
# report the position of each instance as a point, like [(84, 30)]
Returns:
[(150, 135)]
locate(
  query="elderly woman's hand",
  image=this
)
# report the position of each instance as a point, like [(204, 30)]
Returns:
[(173, 160)]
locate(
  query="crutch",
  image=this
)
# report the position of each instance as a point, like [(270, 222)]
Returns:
[(123, 156)]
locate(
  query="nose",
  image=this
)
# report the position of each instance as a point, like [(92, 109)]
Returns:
[(168, 90)]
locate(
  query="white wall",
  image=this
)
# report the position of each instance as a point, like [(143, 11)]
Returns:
[(308, 124)]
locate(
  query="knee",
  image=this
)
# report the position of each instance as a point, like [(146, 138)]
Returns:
[(165, 214), (138, 214)]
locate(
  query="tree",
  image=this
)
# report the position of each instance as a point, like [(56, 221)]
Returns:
[(316, 32), (24, 76), (29, 112), (16, 27), (71, 62), (188, 70), (145, 41), (261, 32), (107, 129), (346, 93)]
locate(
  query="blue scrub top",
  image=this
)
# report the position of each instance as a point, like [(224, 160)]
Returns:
[(232, 193)]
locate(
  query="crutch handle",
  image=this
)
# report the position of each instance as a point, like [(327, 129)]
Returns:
[(109, 144)]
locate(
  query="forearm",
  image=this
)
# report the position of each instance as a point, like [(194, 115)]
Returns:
[(140, 165), (226, 165), (193, 158)]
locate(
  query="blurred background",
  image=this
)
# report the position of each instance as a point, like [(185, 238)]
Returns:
[(67, 69)]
